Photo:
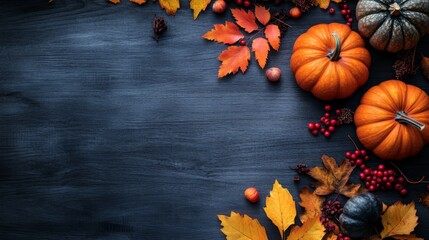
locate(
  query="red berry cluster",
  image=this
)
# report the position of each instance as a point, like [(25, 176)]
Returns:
[(342, 236), (346, 12), (245, 3), (329, 123), (358, 157), (383, 179), (330, 211)]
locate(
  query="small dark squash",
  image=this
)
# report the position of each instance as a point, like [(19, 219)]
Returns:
[(360, 213), (393, 25)]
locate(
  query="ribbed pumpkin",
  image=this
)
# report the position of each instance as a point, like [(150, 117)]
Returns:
[(330, 61), (392, 120), (393, 25)]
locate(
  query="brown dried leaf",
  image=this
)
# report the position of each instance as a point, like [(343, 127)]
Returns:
[(425, 199), (312, 204), (425, 66), (334, 178)]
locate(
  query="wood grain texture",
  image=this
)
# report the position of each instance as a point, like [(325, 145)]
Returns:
[(107, 134)]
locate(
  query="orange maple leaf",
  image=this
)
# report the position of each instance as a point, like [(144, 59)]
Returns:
[(170, 6), (228, 33), (140, 2), (245, 19), (261, 48), (324, 3), (272, 33), (233, 59), (115, 1), (262, 14), (311, 229), (334, 178), (237, 226), (312, 204)]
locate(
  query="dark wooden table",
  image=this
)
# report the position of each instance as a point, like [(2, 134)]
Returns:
[(107, 134)]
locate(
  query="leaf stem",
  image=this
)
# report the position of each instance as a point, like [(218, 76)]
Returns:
[(422, 180), (354, 143), (281, 21)]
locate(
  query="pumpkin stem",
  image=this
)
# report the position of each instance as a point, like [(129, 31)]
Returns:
[(395, 9), (402, 117), (334, 54)]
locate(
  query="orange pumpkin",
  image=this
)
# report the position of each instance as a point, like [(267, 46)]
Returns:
[(392, 120), (330, 60)]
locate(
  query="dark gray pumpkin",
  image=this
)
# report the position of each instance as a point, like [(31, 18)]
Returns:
[(360, 214), (393, 25)]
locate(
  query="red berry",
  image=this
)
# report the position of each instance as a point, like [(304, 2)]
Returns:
[(367, 171), (346, 238), (311, 126), (384, 179), (363, 152), (349, 11), (381, 167), (239, 2), (391, 179), (295, 12), (401, 179), (359, 161), (345, 6), (352, 162), (350, 20), (374, 172), (317, 125), (379, 174), (366, 158), (315, 132), (331, 128), (322, 130), (348, 154), (331, 11), (390, 172), (363, 167), (333, 122), (242, 42), (357, 152), (368, 178), (247, 3), (328, 108), (353, 156), (371, 188), (343, 12), (251, 194), (362, 176), (327, 115), (347, 16), (327, 134), (349, 24), (389, 185), (427, 188), (337, 112), (322, 119), (403, 192), (399, 186)]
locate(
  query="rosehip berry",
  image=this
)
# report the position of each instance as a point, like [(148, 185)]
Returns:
[(311, 126), (333, 122), (345, 6), (379, 174), (357, 152), (219, 6), (327, 115), (399, 186), (349, 24), (242, 42), (322, 130), (366, 158), (246, 4), (401, 179), (349, 11), (363, 167), (315, 132), (359, 161), (381, 167), (239, 2), (363, 152), (367, 172), (331, 11), (391, 179), (384, 179), (322, 119), (328, 108), (343, 12), (427, 188), (337, 112), (348, 154), (388, 185), (350, 20), (331, 128), (252, 195), (327, 134), (295, 12), (362, 176), (403, 192), (353, 156), (317, 125), (390, 172), (371, 188)]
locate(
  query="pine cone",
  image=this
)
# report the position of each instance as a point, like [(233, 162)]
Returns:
[(159, 27)]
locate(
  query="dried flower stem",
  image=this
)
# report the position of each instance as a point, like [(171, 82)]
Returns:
[(354, 143), (422, 180)]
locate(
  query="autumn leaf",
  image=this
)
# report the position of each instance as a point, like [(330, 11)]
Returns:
[(140, 2), (238, 227), (262, 14), (312, 204), (325, 3), (334, 178), (170, 6), (198, 6), (233, 59), (245, 19), (261, 48), (272, 33), (425, 199), (310, 230), (399, 219), (407, 237), (425, 66), (228, 33), (115, 1), (280, 207)]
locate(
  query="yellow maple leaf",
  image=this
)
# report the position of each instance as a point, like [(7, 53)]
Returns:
[(324, 3), (310, 230), (170, 6), (238, 227), (407, 237), (140, 2), (425, 199), (280, 207), (198, 6), (399, 219), (312, 204)]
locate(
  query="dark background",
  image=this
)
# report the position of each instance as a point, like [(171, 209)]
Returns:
[(107, 134)]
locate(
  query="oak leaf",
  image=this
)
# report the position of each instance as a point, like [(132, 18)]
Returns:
[(261, 48), (280, 208), (262, 14), (228, 33), (198, 6), (425, 66), (272, 33), (425, 199), (233, 59), (312, 204), (237, 227), (310, 230), (140, 2), (334, 178), (399, 219), (244, 19), (325, 3), (170, 6)]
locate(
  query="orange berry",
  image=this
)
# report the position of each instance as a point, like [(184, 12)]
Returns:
[(252, 195), (295, 12)]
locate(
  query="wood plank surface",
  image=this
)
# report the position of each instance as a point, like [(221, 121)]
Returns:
[(108, 134)]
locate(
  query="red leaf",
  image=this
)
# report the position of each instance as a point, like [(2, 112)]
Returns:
[(272, 33), (261, 48), (228, 33), (233, 59), (245, 19), (262, 14)]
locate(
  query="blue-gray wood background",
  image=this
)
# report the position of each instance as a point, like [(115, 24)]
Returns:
[(107, 134)]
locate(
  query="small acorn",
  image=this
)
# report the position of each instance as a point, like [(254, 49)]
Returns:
[(273, 74), (252, 195), (219, 6)]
